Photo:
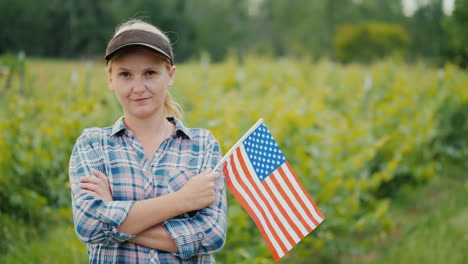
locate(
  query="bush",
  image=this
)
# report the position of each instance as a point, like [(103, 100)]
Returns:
[(366, 42)]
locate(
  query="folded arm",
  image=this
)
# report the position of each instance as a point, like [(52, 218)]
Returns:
[(204, 232), (98, 220)]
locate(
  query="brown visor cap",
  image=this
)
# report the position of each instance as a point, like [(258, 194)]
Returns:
[(140, 38)]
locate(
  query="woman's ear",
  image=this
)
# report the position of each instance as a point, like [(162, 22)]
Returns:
[(109, 77), (171, 74)]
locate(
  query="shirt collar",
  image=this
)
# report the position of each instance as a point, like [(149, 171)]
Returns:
[(118, 126), (180, 130)]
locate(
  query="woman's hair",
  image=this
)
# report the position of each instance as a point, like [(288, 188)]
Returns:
[(171, 107)]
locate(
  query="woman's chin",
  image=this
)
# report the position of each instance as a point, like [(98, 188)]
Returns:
[(143, 113)]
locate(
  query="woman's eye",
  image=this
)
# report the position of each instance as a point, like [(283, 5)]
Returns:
[(124, 74), (151, 73)]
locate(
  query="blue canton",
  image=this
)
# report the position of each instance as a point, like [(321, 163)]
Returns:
[(263, 152)]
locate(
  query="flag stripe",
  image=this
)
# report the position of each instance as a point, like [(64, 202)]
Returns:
[(255, 209), (304, 195), (239, 194), (285, 211), (298, 215), (285, 181), (278, 234), (279, 215), (240, 177), (280, 200)]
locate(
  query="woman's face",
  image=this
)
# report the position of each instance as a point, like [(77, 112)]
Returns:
[(140, 79)]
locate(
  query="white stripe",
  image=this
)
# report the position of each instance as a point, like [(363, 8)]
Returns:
[(284, 204), (291, 196), (304, 198), (270, 201), (249, 201), (269, 215)]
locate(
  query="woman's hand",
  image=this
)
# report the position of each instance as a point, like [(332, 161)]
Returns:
[(98, 186), (199, 191)]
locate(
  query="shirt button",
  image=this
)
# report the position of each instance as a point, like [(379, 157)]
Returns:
[(98, 214), (200, 235), (148, 174)]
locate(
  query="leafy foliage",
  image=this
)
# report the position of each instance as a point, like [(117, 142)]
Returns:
[(370, 41)]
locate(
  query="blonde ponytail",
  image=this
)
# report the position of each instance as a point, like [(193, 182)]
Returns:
[(171, 107)]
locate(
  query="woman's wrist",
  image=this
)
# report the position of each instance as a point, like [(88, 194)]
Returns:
[(180, 200)]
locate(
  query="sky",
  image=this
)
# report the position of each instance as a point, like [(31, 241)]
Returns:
[(410, 6)]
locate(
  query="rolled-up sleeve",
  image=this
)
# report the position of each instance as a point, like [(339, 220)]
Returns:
[(95, 220), (205, 232)]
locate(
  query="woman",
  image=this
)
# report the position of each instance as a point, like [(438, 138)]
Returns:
[(143, 190)]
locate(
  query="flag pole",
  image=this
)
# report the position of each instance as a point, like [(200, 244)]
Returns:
[(237, 143)]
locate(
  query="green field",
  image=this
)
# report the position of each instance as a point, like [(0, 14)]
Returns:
[(431, 227), (382, 149)]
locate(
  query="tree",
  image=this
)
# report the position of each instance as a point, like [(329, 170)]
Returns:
[(456, 47), (426, 30)]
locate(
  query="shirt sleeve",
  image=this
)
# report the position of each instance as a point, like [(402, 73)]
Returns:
[(205, 232), (95, 220)]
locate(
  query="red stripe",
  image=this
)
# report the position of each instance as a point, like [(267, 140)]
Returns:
[(249, 193), (250, 211), (288, 200), (304, 191), (285, 214), (253, 214), (298, 198), (263, 198)]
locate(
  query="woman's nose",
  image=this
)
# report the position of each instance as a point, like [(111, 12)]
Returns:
[(139, 85)]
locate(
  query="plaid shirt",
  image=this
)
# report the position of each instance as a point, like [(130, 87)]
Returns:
[(116, 152)]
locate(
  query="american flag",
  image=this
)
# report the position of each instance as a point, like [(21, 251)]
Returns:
[(261, 179)]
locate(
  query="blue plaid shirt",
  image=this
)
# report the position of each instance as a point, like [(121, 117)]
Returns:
[(116, 152)]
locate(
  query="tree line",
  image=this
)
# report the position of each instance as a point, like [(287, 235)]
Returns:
[(82, 28)]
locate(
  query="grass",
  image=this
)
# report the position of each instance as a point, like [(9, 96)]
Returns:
[(60, 246), (431, 224), (431, 227)]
